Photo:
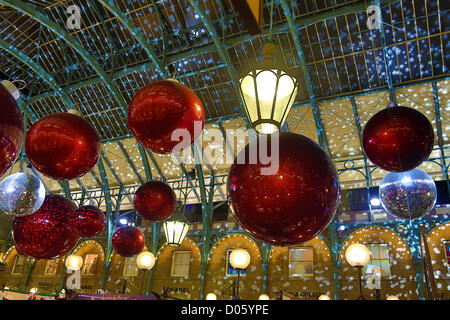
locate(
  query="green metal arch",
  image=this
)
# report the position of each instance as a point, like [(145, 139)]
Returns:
[(43, 18), (127, 23), (38, 70)]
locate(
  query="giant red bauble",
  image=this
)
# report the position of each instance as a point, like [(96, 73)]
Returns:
[(290, 205), (155, 201), (128, 241), (162, 107), (89, 221), (63, 146), (47, 233), (398, 139), (11, 130)]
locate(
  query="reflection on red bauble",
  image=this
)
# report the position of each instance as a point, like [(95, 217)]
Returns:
[(63, 146), (155, 201), (160, 108), (89, 221), (11, 130), (128, 241), (47, 233), (398, 139), (292, 204)]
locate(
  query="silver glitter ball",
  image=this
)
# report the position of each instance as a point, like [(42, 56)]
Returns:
[(408, 195), (21, 194)]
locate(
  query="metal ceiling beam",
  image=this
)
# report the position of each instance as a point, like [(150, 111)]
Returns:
[(42, 17), (147, 169), (128, 23), (155, 163), (321, 135), (280, 28), (130, 162), (221, 51), (38, 70)]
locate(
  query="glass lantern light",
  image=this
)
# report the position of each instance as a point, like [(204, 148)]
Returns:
[(74, 262), (268, 91), (176, 227)]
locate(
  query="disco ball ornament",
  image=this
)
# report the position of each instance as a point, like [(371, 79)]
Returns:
[(11, 130), (291, 205), (162, 107), (89, 221), (63, 146), (155, 201), (398, 139), (128, 241), (47, 233), (408, 195), (21, 194)]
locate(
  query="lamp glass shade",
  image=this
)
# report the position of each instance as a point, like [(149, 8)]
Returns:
[(175, 231), (392, 298), (74, 262), (268, 94), (324, 297), (211, 296), (264, 297), (357, 255), (239, 259), (145, 260)]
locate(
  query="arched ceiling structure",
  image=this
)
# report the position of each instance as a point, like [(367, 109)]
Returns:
[(346, 71)]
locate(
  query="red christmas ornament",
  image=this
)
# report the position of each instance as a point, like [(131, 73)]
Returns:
[(155, 201), (398, 139), (160, 108), (47, 233), (89, 221), (63, 146), (294, 204), (128, 241), (11, 130)]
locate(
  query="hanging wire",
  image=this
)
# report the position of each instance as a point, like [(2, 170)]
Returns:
[(271, 20)]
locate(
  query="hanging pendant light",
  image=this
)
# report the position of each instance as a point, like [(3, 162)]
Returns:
[(176, 227), (268, 90)]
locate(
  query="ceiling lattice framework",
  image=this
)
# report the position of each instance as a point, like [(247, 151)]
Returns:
[(123, 45)]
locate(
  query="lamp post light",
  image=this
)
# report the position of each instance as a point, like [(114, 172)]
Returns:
[(358, 256), (392, 298), (211, 296), (264, 297), (324, 297), (145, 261), (74, 262), (239, 260), (268, 91)]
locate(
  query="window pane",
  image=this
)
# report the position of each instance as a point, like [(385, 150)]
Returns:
[(385, 267), (384, 252)]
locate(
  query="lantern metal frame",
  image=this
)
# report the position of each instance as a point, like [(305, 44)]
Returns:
[(279, 69)]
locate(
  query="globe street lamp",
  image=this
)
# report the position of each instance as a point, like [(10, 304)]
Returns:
[(324, 297), (358, 256), (264, 297), (239, 260), (211, 296), (145, 261), (74, 262)]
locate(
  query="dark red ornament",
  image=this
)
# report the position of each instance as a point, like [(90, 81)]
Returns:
[(89, 221), (292, 205), (11, 130), (63, 146), (47, 233), (155, 201), (160, 108), (128, 241), (398, 139)]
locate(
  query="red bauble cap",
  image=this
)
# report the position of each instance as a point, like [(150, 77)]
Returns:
[(89, 221), (47, 233), (155, 201), (63, 146), (398, 139), (292, 205), (11, 130), (128, 241), (160, 108)]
